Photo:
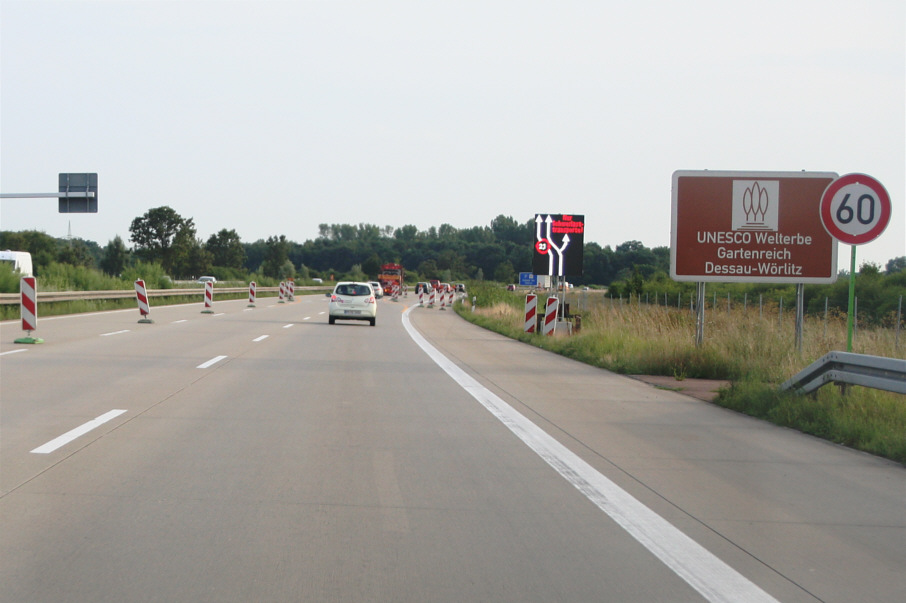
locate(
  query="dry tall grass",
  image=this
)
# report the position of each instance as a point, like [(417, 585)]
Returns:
[(755, 343)]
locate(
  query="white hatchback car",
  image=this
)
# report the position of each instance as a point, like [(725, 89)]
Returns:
[(352, 301)]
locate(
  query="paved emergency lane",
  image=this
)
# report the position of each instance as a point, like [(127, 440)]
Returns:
[(316, 462)]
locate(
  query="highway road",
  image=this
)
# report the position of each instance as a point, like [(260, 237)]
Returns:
[(264, 455)]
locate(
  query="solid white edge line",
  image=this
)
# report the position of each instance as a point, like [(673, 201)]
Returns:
[(78, 431), (211, 362), (701, 569)]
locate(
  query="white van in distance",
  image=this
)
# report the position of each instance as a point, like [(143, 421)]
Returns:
[(20, 260)]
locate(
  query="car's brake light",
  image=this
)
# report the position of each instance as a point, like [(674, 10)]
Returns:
[(370, 300), (334, 298)]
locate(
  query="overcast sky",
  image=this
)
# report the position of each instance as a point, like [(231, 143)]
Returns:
[(271, 118)]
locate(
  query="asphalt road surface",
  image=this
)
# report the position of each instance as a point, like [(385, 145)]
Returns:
[(260, 454)]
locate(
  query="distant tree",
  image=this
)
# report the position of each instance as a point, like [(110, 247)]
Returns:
[(428, 269), (372, 266), (187, 256), (75, 253), (153, 235), (355, 273), (226, 249), (406, 233), (896, 265), (506, 228), (276, 257), (115, 257), (447, 231), (504, 273)]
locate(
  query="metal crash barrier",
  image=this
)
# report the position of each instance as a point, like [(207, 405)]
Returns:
[(877, 372)]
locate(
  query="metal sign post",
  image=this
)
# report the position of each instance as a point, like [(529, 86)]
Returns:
[(855, 209)]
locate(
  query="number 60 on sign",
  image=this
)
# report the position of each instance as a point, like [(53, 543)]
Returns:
[(855, 209)]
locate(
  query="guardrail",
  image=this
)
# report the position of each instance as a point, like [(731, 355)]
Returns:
[(877, 372), (57, 296)]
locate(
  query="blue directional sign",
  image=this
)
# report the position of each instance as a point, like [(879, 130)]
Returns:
[(528, 279)]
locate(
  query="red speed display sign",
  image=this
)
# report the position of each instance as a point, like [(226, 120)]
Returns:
[(751, 227)]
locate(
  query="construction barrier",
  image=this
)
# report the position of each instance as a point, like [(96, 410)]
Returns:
[(291, 290), (531, 309), (282, 299), (421, 297), (450, 295), (395, 293), (432, 297), (443, 299), (208, 298), (253, 294), (550, 316), (141, 296), (28, 308)]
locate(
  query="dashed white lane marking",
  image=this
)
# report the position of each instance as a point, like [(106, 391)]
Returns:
[(115, 333), (701, 569), (77, 432), (211, 362), (262, 338)]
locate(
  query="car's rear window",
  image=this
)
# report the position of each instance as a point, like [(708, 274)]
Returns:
[(353, 290)]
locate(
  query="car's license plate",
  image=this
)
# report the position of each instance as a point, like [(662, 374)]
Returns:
[(356, 312)]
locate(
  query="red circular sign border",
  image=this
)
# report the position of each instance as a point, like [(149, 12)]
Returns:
[(828, 196)]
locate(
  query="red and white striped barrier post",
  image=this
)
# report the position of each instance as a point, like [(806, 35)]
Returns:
[(282, 293), (531, 311), (141, 296), (550, 316), (443, 299), (432, 297), (421, 297), (208, 298), (395, 293), (28, 308), (253, 294), (291, 290), (450, 298)]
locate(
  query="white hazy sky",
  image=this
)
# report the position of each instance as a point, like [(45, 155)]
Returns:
[(273, 117)]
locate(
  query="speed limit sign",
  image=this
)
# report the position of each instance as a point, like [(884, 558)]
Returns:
[(855, 209)]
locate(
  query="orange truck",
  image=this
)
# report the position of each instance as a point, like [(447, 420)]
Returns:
[(391, 276)]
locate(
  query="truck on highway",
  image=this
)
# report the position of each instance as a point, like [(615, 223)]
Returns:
[(391, 276)]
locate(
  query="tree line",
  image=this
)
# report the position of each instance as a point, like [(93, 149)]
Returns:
[(498, 252)]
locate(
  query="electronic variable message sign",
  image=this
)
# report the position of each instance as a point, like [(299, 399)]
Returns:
[(751, 227), (559, 244)]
